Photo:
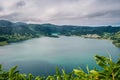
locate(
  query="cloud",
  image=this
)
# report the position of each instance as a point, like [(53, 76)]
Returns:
[(20, 4), (76, 12), (1, 8), (105, 14), (10, 16)]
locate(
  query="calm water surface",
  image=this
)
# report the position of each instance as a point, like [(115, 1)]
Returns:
[(40, 56)]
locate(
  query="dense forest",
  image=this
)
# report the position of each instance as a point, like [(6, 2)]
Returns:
[(19, 31)]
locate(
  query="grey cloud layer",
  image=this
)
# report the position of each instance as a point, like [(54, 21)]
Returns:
[(1, 8), (80, 12), (20, 4)]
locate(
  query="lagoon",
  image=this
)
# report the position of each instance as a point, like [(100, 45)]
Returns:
[(40, 56)]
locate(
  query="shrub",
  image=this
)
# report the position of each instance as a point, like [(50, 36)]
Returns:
[(110, 71)]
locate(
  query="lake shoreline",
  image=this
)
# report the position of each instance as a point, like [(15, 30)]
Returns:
[(82, 36)]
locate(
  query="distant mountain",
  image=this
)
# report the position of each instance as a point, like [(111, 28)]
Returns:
[(19, 23), (12, 32), (7, 27), (5, 23)]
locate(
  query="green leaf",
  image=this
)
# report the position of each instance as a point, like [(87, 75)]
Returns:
[(30, 76), (87, 69), (13, 71), (0, 67)]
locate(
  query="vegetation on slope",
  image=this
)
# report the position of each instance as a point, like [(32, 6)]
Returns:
[(116, 39), (14, 32), (110, 71)]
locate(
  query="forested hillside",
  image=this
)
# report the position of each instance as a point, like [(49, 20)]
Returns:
[(13, 32)]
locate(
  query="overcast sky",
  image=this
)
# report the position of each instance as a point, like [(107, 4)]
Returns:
[(70, 12)]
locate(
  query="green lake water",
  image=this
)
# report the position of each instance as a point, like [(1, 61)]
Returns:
[(40, 56)]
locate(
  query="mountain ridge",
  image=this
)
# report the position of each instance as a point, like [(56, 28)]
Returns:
[(19, 31)]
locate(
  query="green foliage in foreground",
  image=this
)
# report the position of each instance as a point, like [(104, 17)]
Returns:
[(110, 71)]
